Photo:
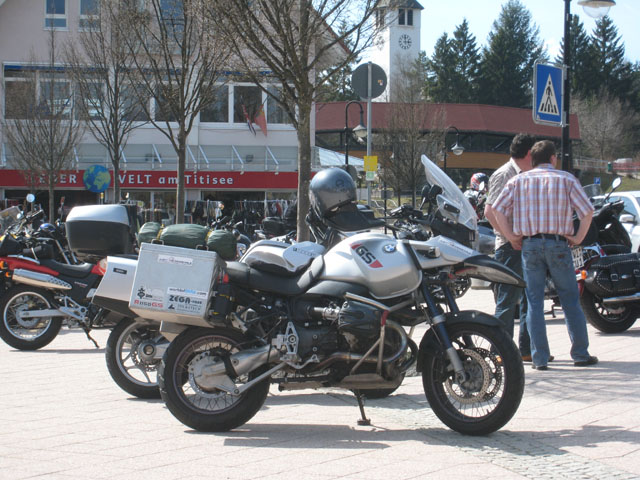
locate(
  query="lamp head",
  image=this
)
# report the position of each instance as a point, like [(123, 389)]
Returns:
[(457, 149), (360, 131), (596, 8)]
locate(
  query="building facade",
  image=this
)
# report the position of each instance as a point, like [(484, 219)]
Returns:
[(228, 157)]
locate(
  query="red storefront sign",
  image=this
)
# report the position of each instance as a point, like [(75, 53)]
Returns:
[(162, 179)]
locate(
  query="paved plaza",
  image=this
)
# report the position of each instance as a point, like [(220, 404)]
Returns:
[(62, 417)]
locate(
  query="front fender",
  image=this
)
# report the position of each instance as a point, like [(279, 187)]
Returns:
[(431, 343)]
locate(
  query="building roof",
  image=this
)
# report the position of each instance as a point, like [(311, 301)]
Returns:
[(466, 117), (400, 4)]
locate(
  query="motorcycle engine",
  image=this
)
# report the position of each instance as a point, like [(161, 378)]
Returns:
[(359, 325), (323, 330)]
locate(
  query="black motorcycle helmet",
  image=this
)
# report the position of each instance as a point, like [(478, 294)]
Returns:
[(332, 194)]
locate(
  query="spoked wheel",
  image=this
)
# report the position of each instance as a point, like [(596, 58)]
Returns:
[(489, 395), (195, 386), (27, 333), (133, 355), (614, 318)]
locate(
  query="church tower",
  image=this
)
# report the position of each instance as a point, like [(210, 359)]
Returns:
[(397, 44)]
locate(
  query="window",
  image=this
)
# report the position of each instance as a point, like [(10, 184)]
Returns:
[(218, 110), (275, 112), (246, 103), (401, 16), (172, 16), (55, 95), (409, 17), (89, 103), (132, 110), (380, 14), (55, 14), (163, 110), (19, 93), (89, 15)]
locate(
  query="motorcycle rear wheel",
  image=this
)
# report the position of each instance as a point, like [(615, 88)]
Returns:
[(607, 319), (27, 334), (126, 361), (207, 411), (490, 396)]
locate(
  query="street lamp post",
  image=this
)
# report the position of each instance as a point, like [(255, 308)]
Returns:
[(456, 148), (593, 8), (360, 130)]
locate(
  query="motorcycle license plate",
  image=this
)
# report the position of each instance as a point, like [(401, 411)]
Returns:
[(577, 256)]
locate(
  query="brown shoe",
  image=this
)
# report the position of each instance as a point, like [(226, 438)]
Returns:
[(526, 358)]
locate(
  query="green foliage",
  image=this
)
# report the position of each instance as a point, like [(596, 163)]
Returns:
[(581, 62), (507, 61), (452, 71)]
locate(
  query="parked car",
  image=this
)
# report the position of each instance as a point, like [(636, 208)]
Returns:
[(630, 216)]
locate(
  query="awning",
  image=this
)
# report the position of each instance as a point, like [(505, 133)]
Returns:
[(329, 158)]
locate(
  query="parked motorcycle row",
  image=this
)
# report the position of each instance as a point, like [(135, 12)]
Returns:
[(211, 335)]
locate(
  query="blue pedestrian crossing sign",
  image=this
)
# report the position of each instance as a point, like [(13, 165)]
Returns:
[(548, 94)]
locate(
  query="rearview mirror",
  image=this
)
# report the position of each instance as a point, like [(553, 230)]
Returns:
[(627, 218), (31, 198)]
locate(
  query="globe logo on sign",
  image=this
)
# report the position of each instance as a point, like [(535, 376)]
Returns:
[(96, 178)]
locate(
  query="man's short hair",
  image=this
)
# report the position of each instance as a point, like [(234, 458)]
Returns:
[(521, 145), (542, 151)]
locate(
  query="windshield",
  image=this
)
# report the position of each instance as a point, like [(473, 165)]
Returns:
[(8, 217), (450, 194), (593, 190)]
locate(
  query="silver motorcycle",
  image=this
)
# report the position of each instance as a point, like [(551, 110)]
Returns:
[(311, 319)]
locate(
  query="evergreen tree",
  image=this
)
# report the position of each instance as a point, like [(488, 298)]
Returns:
[(467, 56), (440, 71), (581, 62), (609, 70), (507, 62), (337, 87), (453, 67)]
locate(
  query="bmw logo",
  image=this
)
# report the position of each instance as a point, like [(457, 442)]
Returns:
[(389, 248)]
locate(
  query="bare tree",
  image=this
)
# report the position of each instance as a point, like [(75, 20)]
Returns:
[(102, 68), (182, 57), (606, 126), (413, 128), (301, 43), (40, 126)]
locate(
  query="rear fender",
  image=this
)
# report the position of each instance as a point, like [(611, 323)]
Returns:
[(430, 342)]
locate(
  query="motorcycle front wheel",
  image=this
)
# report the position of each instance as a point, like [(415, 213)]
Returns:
[(131, 357), (607, 318), (202, 406), (29, 333), (489, 395)]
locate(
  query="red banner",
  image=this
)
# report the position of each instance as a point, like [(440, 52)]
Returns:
[(162, 179)]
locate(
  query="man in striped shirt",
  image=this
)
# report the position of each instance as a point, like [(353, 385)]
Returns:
[(541, 203)]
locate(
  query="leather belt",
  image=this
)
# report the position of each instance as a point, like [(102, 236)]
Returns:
[(549, 236)]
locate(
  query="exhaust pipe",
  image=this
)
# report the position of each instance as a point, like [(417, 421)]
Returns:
[(37, 279), (627, 298)]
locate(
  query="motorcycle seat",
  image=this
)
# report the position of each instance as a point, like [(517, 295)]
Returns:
[(242, 275), (74, 271)]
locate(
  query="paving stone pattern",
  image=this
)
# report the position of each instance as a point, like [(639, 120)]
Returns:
[(62, 417)]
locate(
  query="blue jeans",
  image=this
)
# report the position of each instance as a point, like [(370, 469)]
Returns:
[(508, 296), (538, 256)]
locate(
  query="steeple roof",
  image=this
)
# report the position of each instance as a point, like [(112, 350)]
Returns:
[(400, 4)]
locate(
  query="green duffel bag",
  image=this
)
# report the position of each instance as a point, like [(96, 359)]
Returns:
[(223, 243), (148, 232), (186, 235)]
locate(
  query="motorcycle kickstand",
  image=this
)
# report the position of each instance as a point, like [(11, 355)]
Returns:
[(364, 420), (86, 332)]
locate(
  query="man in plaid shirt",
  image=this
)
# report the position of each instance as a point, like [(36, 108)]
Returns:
[(541, 203)]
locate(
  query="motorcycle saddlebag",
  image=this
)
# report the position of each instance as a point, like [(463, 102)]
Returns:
[(185, 235), (223, 243), (148, 232), (614, 275)]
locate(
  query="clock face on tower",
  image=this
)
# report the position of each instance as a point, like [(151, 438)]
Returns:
[(404, 41)]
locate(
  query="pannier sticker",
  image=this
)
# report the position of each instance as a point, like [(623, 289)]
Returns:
[(149, 297), (186, 292), (175, 260)]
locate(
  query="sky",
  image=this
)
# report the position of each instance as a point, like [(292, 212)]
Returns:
[(441, 16)]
